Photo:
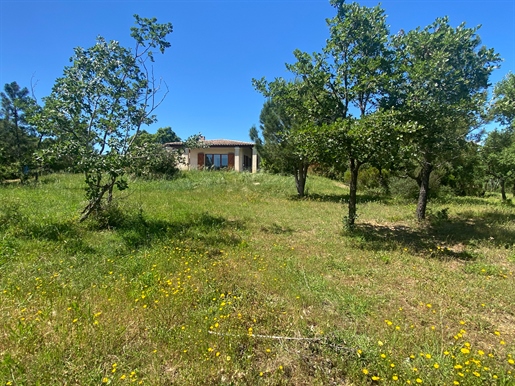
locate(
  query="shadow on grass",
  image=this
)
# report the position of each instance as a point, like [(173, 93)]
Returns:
[(441, 239), (203, 229), (341, 198), (137, 231), (277, 229), (466, 201)]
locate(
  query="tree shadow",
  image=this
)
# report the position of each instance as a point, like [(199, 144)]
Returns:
[(201, 228), (136, 231), (276, 229), (445, 239), (342, 198), (465, 201)]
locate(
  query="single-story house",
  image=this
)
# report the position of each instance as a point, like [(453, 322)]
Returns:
[(219, 154)]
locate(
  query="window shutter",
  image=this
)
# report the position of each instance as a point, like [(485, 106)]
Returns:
[(231, 161), (200, 160)]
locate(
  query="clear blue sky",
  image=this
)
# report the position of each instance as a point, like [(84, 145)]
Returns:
[(217, 46)]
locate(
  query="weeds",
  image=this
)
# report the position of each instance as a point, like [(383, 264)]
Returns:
[(189, 281)]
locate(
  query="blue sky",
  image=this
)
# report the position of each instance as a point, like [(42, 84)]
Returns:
[(217, 46)]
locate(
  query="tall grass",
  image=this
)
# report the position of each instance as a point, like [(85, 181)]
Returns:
[(227, 278)]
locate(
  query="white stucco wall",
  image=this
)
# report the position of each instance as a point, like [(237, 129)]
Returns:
[(193, 155)]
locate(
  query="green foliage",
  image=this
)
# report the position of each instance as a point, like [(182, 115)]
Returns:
[(11, 214), (328, 171), (96, 110), (503, 103), (165, 135), (464, 173), (498, 155), (150, 159), (153, 160), (369, 178), (18, 139), (162, 135), (441, 84), (279, 148), (272, 145), (408, 189), (499, 148), (350, 74), (404, 187)]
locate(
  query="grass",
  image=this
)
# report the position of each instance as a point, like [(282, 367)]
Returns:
[(224, 279)]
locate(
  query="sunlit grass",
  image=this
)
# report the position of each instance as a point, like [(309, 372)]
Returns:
[(205, 280)]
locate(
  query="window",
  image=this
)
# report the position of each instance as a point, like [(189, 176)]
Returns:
[(247, 163), (216, 161)]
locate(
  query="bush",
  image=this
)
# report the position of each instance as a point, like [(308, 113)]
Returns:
[(405, 188), (11, 214), (327, 171), (152, 160), (370, 179)]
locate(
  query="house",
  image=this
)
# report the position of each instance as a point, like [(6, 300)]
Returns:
[(219, 154)]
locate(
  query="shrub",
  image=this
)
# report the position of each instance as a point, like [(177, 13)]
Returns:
[(406, 188)]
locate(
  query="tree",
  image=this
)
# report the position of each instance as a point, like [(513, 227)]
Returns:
[(162, 135), (345, 84), (278, 148), (97, 108), (498, 155), (153, 160), (503, 102), (503, 111), (371, 139), (165, 135), (443, 78), (18, 139), (150, 159), (464, 172)]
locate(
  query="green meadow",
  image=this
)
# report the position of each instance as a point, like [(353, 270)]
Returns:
[(221, 278)]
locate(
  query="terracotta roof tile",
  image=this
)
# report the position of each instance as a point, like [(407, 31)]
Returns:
[(216, 143), (226, 142)]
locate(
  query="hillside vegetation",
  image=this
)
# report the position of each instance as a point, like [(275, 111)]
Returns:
[(221, 278)]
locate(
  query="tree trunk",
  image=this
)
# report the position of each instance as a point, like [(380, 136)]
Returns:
[(503, 189), (301, 175), (353, 189), (423, 195), (110, 192), (17, 134), (93, 204)]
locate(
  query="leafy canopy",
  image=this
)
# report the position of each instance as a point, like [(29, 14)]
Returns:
[(97, 108)]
